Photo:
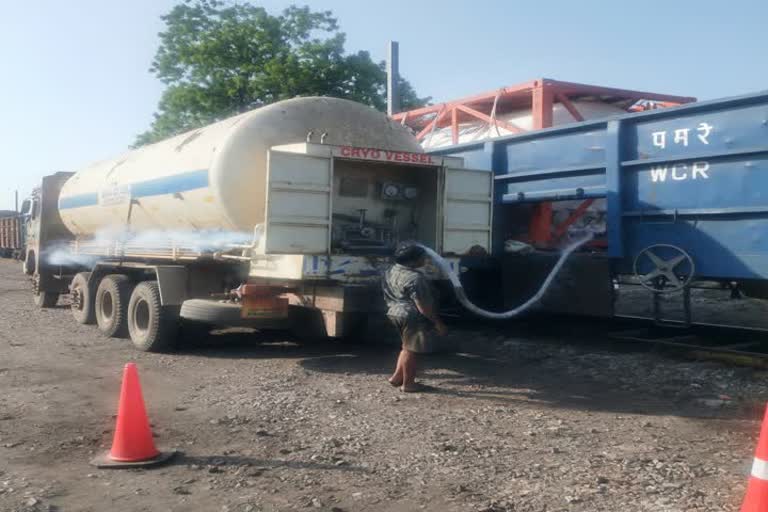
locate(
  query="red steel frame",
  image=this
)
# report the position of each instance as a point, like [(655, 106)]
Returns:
[(540, 96)]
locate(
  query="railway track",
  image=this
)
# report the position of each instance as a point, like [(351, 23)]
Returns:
[(746, 346), (734, 345)]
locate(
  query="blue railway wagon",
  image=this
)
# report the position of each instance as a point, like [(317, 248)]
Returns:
[(685, 188)]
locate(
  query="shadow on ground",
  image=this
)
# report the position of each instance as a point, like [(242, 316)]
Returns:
[(479, 370)]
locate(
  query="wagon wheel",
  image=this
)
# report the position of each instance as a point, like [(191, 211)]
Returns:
[(669, 273)]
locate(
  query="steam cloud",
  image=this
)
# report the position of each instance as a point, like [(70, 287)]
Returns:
[(205, 241)]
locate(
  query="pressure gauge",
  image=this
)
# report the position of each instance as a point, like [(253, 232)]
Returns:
[(411, 192), (390, 190)]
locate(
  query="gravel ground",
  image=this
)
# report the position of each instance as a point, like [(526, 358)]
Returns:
[(514, 423)]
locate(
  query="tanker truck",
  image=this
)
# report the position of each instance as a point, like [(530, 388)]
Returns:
[(282, 217)]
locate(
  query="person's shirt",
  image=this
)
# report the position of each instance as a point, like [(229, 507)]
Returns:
[(403, 286)]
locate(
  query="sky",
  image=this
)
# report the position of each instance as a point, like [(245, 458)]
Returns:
[(75, 85)]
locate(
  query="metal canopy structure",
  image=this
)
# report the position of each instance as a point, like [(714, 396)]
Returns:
[(539, 96)]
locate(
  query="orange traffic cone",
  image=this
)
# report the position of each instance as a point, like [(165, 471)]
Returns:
[(756, 499), (132, 445)]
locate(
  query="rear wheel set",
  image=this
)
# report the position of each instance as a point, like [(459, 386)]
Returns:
[(82, 299), (152, 326), (111, 301), (120, 308)]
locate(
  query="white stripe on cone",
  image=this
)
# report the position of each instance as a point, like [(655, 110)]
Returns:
[(760, 469)]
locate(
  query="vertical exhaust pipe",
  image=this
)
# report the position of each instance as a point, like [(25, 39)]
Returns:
[(393, 78)]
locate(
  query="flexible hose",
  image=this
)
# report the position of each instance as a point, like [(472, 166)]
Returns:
[(462, 296)]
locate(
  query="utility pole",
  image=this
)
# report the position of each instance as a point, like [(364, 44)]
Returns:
[(16, 201), (393, 78)]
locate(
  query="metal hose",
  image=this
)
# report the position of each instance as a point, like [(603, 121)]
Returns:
[(462, 296)]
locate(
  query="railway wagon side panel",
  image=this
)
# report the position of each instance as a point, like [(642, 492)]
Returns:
[(695, 177), (699, 180)]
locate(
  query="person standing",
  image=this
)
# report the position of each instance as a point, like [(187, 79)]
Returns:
[(412, 309)]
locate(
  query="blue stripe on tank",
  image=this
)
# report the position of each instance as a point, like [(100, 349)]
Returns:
[(170, 184), (79, 201), (160, 186)]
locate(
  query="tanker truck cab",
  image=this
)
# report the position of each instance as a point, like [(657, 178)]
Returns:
[(334, 215), (44, 233)]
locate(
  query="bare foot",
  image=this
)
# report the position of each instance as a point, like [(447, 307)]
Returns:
[(416, 387), (395, 382)]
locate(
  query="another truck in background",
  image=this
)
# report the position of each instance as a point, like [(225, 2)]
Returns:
[(11, 234), (282, 217)]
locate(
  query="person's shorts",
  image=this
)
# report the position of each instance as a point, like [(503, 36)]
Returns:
[(416, 333)]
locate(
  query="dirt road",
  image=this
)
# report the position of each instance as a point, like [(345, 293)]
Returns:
[(267, 424)]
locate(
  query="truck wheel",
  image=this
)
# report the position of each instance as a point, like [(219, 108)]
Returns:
[(111, 304), (211, 312), (152, 326), (82, 299), (46, 299), (29, 266), (226, 314)]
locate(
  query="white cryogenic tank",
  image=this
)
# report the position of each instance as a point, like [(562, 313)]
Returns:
[(214, 178)]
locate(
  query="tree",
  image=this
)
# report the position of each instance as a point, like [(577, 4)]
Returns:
[(218, 59)]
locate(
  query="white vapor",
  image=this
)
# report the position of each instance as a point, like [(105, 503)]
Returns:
[(108, 241)]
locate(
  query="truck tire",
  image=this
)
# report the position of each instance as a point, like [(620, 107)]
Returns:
[(111, 305), (152, 326), (29, 265), (83, 302), (45, 299), (211, 312)]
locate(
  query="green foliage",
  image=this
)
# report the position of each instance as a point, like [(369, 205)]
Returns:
[(218, 59)]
